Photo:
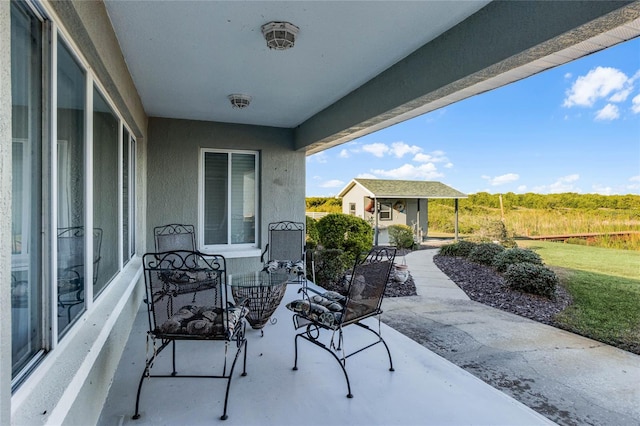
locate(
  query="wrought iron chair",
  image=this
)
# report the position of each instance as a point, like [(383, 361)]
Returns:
[(188, 299), (71, 265), (325, 315), (174, 237), (286, 249)]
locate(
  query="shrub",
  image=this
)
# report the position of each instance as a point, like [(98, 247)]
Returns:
[(494, 231), (401, 236), (312, 236), (460, 248), (330, 266), (351, 234), (531, 278), (512, 256), (484, 253)]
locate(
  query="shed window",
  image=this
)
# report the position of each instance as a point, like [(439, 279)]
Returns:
[(385, 211)]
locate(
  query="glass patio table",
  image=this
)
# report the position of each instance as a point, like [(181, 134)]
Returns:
[(264, 292)]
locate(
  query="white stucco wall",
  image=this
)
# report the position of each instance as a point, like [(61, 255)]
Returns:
[(5, 213), (70, 384), (174, 149)]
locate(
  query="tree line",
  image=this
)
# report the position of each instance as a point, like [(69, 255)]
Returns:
[(512, 201), (570, 200)]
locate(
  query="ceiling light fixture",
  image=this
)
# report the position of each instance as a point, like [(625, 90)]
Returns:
[(280, 35), (239, 100)]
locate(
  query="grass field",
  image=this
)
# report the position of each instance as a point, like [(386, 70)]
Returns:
[(605, 286)]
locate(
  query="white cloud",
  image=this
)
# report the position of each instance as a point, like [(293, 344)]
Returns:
[(320, 157), (603, 190), (563, 184), (344, 154), (399, 149), (621, 96), (433, 157), (609, 112), (599, 83), (503, 179), (522, 188), (635, 183), (568, 75), (366, 176), (410, 172), (635, 104), (448, 165), (378, 149), (435, 115), (334, 183)]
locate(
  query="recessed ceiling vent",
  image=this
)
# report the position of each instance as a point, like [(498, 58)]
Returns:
[(239, 101)]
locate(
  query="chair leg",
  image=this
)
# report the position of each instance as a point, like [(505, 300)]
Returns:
[(244, 373), (320, 345), (145, 374), (380, 340), (173, 358)]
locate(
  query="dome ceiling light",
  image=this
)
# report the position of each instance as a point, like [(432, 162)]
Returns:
[(280, 35)]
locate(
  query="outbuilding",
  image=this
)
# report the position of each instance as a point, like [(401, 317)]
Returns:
[(384, 202)]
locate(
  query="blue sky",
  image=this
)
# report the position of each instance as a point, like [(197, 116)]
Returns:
[(574, 128)]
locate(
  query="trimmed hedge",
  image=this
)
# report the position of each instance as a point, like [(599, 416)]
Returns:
[(515, 255), (401, 236), (351, 234), (312, 236), (532, 278), (484, 253), (330, 267), (460, 248)]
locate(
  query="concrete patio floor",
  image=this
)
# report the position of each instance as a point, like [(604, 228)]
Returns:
[(424, 389)]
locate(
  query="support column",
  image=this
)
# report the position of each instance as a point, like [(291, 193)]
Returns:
[(456, 225)]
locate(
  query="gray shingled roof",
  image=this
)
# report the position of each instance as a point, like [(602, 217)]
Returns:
[(381, 188)]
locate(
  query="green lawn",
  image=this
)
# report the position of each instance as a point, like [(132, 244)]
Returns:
[(605, 286)]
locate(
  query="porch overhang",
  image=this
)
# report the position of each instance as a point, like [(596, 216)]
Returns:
[(331, 93)]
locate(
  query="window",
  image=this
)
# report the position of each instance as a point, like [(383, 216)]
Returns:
[(128, 195), (106, 134), (352, 209), (66, 163), (229, 188), (27, 299), (70, 113), (385, 211)]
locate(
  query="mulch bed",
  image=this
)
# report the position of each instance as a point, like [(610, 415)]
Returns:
[(482, 284)]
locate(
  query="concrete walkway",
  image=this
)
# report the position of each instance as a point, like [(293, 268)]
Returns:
[(570, 379)]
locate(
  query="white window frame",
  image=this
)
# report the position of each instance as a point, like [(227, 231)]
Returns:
[(385, 211), (52, 166), (229, 250)]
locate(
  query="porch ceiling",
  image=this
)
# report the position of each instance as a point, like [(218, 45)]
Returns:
[(357, 66)]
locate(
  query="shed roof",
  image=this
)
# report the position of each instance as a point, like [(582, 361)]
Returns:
[(382, 188)]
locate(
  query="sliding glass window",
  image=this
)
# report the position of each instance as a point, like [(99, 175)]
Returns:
[(71, 110), (106, 140), (26, 207), (73, 188)]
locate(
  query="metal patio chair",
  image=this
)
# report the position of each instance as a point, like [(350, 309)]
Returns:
[(174, 237), (324, 315), (286, 249), (188, 299), (71, 265)]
